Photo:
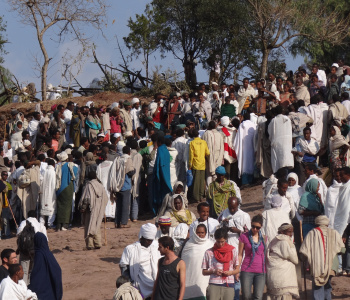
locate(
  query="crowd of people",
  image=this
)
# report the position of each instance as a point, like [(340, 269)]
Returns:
[(81, 165)]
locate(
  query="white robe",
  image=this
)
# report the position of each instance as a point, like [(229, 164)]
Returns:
[(296, 192), (213, 224), (192, 255), (134, 113), (239, 220), (102, 173), (244, 147), (48, 193), (280, 135), (243, 94), (180, 145), (315, 112), (342, 212), (143, 264), (269, 186), (288, 205), (331, 202), (173, 166), (9, 290)]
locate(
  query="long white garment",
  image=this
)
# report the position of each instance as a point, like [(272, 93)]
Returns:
[(67, 114), (134, 114), (143, 264), (331, 202), (228, 134), (240, 219), (173, 166), (314, 111), (269, 186), (281, 137), (43, 167), (192, 255), (243, 94), (180, 145), (9, 290), (48, 192), (102, 173), (136, 178), (296, 192), (343, 208), (272, 219), (244, 147), (288, 205), (211, 224), (323, 187)]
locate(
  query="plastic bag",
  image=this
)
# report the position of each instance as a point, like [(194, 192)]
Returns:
[(189, 178)]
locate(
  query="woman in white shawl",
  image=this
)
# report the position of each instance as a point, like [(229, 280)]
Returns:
[(178, 212), (282, 258), (16, 138), (296, 191), (338, 149), (192, 254)]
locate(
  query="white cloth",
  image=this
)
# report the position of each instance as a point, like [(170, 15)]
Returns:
[(9, 290), (269, 186), (240, 220), (33, 127), (288, 205), (192, 255), (243, 94), (342, 212), (332, 202), (211, 224), (143, 265), (323, 187), (48, 192), (315, 112), (280, 135), (43, 168), (38, 226), (322, 76), (272, 219), (244, 147), (103, 172), (148, 231), (134, 114), (173, 165), (296, 191), (180, 145)]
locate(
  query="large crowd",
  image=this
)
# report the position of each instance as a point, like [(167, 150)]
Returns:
[(80, 165)]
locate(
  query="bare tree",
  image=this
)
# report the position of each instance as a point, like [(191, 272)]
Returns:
[(63, 17), (276, 23)]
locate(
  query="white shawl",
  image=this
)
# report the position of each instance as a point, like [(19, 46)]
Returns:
[(215, 144), (244, 147), (243, 94), (192, 255), (296, 191), (15, 291), (314, 111), (48, 192), (102, 173), (116, 175), (343, 208), (332, 202)]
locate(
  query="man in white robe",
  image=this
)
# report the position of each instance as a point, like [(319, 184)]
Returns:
[(245, 92), (180, 145), (13, 287), (244, 148), (280, 135), (48, 194), (332, 198), (68, 114), (135, 112), (102, 173), (215, 144), (140, 259), (342, 212), (237, 220), (315, 112)]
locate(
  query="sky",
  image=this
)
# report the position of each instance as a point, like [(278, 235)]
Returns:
[(23, 48)]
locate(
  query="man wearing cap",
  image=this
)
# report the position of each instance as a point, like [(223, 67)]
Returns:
[(139, 260), (125, 114), (135, 112), (165, 228)]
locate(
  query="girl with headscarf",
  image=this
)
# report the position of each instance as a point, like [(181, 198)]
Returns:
[(221, 263), (253, 265), (20, 117), (281, 259), (310, 205), (338, 148), (16, 138), (46, 276), (192, 254), (178, 213)]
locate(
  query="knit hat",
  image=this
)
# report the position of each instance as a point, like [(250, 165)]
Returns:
[(164, 221), (220, 170)]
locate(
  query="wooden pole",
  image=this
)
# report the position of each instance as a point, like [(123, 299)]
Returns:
[(304, 264), (105, 230)]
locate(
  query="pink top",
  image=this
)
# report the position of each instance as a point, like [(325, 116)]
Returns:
[(210, 263), (258, 264)]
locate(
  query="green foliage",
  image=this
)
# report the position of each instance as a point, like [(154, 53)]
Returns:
[(3, 40)]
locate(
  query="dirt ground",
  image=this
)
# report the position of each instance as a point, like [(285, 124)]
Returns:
[(92, 274)]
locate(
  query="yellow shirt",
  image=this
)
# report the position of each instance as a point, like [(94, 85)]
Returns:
[(198, 151)]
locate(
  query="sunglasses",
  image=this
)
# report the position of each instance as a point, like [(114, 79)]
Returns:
[(256, 227)]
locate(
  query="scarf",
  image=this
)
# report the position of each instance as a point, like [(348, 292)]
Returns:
[(255, 247), (172, 116), (309, 199), (187, 219), (224, 255), (220, 194), (337, 141)]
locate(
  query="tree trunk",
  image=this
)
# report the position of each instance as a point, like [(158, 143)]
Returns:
[(44, 67), (265, 58), (146, 65)]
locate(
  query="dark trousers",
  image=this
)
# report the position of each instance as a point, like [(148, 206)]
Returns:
[(198, 185), (122, 207), (232, 170)]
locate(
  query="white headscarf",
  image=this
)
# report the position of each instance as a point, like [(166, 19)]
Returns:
[(63, 156), (135, 100), (148, 231), (225, 121), (295, 177), (276, 201)]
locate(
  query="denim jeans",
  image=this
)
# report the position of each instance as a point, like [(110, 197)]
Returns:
[(257, 280), (6, 216), (237, 289), (123, 207), (322, 292), (134, 211), (307, 228)]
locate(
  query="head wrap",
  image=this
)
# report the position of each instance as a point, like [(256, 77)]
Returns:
[(276, 201), (322, 221), (164, 221), (114, 105), (68, 151), (214, 83), (89, 156), (100, 134), (45, 120), (220, 170), (135, 100), (53, 107), (216, 93), (89, 103), (312, 186), (294, 176), (117, 135), (225, 121), (181, 231), (148, 231), (284, 227), (173, 200), (335, 65), (127, 103), (26, 143), (63, 156)]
